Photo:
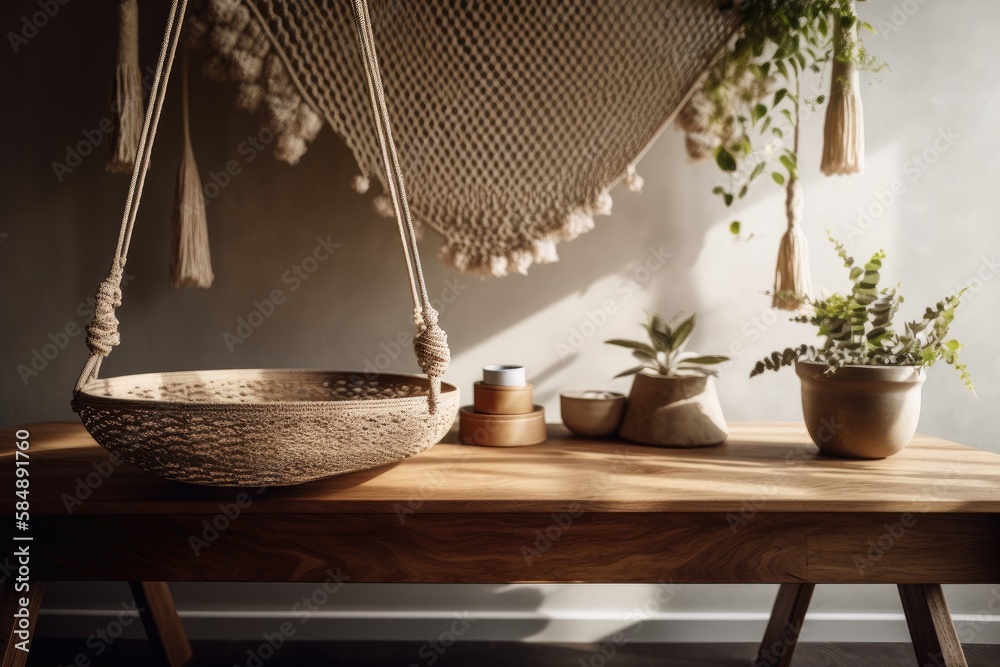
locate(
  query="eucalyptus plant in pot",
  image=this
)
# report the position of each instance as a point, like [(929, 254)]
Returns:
[(861, 387), (673, 402)]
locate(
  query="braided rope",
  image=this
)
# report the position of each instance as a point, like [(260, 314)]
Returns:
[(102, 332), (431, 342)]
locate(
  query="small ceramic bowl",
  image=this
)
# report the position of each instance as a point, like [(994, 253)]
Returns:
[(592, 413), (505, 375)]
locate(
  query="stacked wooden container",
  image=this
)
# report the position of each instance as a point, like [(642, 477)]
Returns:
[(503, 413)]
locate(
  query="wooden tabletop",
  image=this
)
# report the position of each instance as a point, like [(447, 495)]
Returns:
[(769, 467)]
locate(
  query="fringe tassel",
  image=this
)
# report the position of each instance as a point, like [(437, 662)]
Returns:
[(191, 259), (791, 278), (127, 97), (844, 131)]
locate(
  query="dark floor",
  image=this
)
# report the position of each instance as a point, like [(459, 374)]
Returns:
[(127, 653)]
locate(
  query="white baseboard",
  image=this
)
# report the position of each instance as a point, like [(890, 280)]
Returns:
[(522, 626)]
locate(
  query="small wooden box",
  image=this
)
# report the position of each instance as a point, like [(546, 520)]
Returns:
[(497, 399), (475, 428)]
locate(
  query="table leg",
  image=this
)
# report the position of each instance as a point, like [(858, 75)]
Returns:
[(163, 626), (9, 605), (931, 629), (784, 626)]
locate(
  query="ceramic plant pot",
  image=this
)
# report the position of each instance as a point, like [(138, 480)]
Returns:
[(593, 414), (860, 412), (681, 411)]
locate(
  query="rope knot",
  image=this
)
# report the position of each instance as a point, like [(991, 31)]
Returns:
[(102, 332), (433, 355), (431, 346)]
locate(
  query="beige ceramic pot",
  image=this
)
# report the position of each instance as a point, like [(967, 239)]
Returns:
[(593, 414), (861, 412), (681, 411)]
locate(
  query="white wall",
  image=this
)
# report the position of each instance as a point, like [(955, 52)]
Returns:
[(940, 233)]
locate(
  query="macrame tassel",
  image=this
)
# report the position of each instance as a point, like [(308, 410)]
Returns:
[(844, 132), (791, 278), (191, 261), (127, 98)]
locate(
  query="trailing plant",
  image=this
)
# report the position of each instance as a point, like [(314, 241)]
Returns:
[(858, 327), (751, 96), (664, 353)]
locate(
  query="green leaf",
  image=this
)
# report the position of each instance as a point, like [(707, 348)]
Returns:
[(682, 331), (728, 199), (778, 96), (821, 99), (631, 371), (790, 166), (706, 360), (633, 345), (725, 160), (734, 227), (758, 170), (759, 111), (778, 177)]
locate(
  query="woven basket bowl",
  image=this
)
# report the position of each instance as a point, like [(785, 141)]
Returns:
[(270, 427)]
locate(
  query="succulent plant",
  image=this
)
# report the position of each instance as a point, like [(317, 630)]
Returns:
[(664, 353), (858, 328)]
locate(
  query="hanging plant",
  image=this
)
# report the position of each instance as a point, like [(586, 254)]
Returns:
[(746, 114)]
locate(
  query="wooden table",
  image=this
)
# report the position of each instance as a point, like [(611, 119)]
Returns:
[(763, 508)]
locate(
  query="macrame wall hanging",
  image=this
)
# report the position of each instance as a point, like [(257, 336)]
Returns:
[(513, 119)]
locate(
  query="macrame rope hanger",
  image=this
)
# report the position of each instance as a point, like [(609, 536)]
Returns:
[(430, 343)]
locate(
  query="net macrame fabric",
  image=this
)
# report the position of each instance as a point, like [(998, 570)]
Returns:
[(512, 119)]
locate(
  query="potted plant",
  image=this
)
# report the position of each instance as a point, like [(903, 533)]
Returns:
[(861, 387), (673, 402)]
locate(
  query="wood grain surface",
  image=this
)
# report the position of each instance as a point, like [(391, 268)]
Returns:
[(762, 468), (505, 548)]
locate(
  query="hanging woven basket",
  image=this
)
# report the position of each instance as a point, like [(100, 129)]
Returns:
[(262, 427), (272, 427)]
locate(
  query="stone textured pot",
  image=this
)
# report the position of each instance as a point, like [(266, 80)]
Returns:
[(679, 411), (861, 412)]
